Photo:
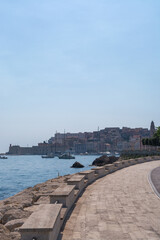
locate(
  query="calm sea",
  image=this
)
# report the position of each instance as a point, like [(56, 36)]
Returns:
[(20, 172)]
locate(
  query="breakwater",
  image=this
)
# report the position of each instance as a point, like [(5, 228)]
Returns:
[(61, 192)]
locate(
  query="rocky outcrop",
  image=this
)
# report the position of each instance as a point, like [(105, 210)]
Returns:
[(103, 160), (113, 159), (77, 165)]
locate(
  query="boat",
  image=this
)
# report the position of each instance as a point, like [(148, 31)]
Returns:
[(108, 154), (51, 155), (116, 154), (3, 157), (66, 156)]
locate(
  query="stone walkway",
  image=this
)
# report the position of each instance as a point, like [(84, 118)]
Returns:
[(119, 206)]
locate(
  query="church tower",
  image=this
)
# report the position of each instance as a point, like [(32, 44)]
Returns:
[(152, 129)]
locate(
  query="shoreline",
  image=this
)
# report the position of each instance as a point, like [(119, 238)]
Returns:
[(16, 209), (19, 172)]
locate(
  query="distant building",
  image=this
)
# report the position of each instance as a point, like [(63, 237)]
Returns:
[(152, 129)]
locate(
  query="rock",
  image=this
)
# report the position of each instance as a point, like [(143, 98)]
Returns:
[(77, 165), (4, 208), (32, 209), (4, 233), (43, 200), (15, 236), (11, 225), (25, 198), (113, 159), (101, 161), (1, 216), (15, 214)]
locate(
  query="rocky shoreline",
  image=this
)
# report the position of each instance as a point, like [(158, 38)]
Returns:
[(16, 209)]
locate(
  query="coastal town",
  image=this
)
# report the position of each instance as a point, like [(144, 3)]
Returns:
[(110, 139)]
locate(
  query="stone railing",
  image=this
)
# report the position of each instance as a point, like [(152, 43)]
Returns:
[(45, 223)]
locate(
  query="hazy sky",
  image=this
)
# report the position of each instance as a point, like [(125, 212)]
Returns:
[(77, 65)]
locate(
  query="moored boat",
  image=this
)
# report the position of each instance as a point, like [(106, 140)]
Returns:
[(66, 156), (51, 155), (3, 157)]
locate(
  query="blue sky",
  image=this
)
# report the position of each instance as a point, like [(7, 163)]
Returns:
[(77, 65)]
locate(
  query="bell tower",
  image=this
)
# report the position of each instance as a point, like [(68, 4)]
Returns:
[(152, 129)]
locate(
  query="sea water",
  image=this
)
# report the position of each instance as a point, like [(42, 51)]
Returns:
[(20, 172)]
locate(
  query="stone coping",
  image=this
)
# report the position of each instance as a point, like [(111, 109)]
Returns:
[(86, 172), (98, 168), (43, 219), (76, 178), (63, 191)]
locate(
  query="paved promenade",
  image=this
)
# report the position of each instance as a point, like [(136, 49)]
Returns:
[(119, 206), (155, 178)]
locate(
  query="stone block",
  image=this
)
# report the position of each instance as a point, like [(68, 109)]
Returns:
[(100, 171), (132, 161), (64, 195), (127, 163), (110, 168), (78, 181), (141, 160), (89, 175), (43, 224), (118, 165), (123, 164), (156, 158)]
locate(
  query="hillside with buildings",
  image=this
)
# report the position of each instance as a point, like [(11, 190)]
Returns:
[(108, 139)]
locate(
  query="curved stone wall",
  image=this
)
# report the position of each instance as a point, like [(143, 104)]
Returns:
[(46, 222)]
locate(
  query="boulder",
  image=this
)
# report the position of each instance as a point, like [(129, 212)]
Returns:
[(11, 225), (101, 161), (113, 159), (15, 236), (15, 214), (43, 200), (25, 198), (4, 233), (1, 216), (77, 165)]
